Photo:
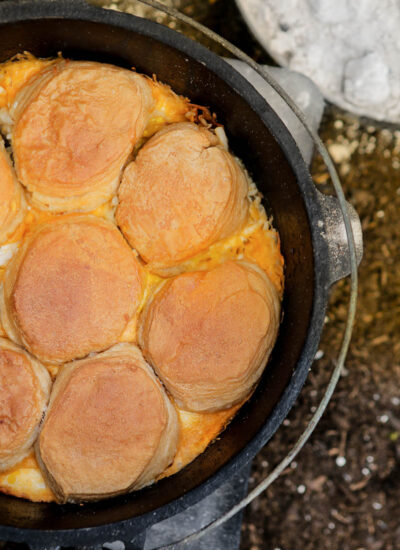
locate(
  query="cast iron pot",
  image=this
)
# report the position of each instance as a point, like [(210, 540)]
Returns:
[(308, 222)]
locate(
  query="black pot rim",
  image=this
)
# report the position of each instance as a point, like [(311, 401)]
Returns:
[(11, 12)]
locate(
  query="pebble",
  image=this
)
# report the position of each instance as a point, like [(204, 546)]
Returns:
[(339, 152), (382, 525), (341, 461)]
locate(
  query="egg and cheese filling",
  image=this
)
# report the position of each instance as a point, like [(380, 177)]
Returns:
[(257, 242)]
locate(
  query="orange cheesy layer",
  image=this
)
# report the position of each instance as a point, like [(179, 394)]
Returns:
[(257, 242)]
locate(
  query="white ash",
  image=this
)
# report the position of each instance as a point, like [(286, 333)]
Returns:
[(351, 49)]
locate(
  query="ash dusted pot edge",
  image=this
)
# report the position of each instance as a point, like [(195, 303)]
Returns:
[(309, 225)]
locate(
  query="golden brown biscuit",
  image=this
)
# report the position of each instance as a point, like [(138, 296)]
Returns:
[(110, 427), (208, 334), (12, 201), (24, 393), (75, 124), (182, 193), (71, 289)]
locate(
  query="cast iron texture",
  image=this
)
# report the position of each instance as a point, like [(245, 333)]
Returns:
[(257, 136)]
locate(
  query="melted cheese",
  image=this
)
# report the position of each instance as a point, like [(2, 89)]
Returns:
[(168, 108), (257, 242), (15, 73), (150, 281), (25, 480), (197, 430)]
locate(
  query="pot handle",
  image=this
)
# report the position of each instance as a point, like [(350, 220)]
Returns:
[(333, 232)]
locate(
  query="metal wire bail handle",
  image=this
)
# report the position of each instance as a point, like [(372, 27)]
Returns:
[(304, 437)]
